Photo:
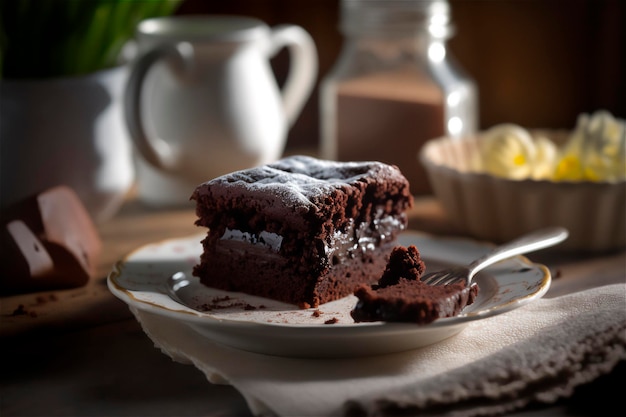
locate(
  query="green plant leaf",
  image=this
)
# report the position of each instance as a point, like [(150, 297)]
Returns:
[(52, 38)]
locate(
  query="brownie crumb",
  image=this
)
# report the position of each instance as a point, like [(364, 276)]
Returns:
[(219, 306), (316, 313), (222, 303), (331, 321), (404, 262), (22, 311), (41, 299)]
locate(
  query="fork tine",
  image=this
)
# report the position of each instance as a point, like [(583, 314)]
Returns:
[(445, 277), (428, 278), (450, 279), (436, 278)]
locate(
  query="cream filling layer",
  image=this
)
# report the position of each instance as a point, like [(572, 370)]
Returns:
[(343, 245)]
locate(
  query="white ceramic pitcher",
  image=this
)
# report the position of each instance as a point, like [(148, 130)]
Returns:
[(202, 100)]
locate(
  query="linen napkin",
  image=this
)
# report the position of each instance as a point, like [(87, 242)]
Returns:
[(537, 353)]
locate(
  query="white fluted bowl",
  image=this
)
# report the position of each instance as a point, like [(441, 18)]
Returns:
[(498, 209)]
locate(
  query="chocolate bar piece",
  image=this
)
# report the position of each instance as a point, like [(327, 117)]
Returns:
[(49, 241)]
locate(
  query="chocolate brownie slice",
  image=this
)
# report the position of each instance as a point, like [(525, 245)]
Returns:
[(301, 230), (401, 296)]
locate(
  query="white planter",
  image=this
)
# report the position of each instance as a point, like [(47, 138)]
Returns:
[(66, 131)]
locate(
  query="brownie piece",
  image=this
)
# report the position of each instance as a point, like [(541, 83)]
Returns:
[(301, 230), (401, 295)]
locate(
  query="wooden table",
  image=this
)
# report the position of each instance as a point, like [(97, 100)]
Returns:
[(80, 351)]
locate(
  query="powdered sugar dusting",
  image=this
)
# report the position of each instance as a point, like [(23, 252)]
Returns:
[(302, 179)]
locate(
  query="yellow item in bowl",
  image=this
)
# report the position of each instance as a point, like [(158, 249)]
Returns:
[(509, 151), (595, 151), (545, 159)]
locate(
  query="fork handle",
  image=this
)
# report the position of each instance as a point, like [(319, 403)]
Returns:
[(530, 242)]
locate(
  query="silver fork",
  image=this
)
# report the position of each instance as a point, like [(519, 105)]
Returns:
[(533, 241)]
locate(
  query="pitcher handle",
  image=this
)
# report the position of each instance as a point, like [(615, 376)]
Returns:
[(155, 150), (303, 67)]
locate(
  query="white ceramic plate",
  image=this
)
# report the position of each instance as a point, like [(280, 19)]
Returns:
[(265, 326)]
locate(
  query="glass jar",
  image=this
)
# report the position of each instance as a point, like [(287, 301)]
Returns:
[(394, 86)]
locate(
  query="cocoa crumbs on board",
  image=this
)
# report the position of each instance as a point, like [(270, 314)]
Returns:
[(22, 311)]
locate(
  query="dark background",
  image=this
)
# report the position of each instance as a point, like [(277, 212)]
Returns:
[(537, 63)]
